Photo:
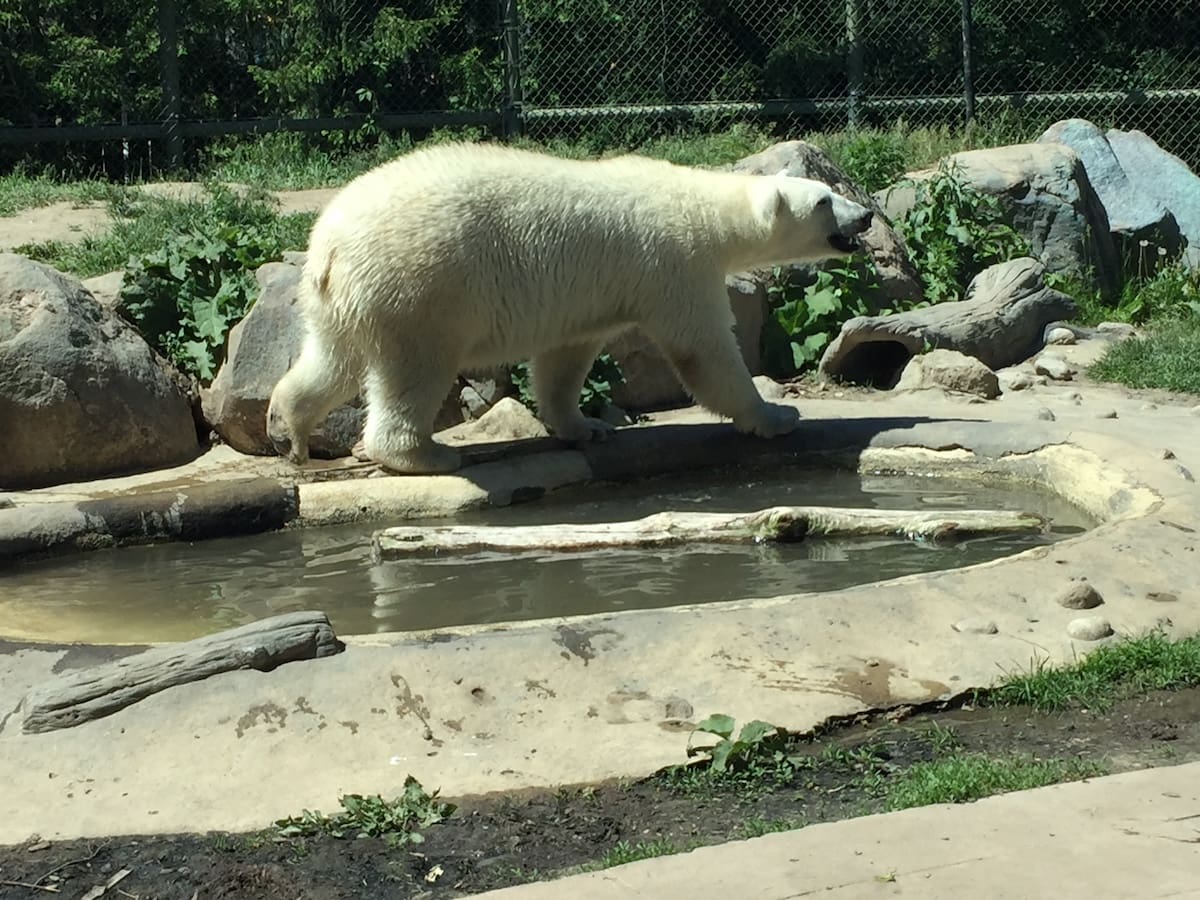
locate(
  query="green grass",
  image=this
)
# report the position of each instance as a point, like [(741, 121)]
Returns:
[(972, 776), (140, 224), (1152, 662), (1167, 358), (623, 852), (19, 191)]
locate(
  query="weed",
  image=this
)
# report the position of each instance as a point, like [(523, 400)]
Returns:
[(758, 826), (967, 777), (1152, 662), (1167, 358), (873, 159), (954, 231), (756, 740), (623, 852), (396, 821)]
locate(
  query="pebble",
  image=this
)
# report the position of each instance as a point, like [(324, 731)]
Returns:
[(1045, 415), (1076, 398), (1018, 381), (1162, 597), (1107, 414), (1149, 406), (1060, 336), (1089, 628), (1054, 367), (1080, 595), (976, 626), (1184, 472), (1168, 454)]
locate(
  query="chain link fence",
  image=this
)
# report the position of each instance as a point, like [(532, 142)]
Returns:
[(167, 79)]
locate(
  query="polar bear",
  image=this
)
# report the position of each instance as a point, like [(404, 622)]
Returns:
[(468, 256)]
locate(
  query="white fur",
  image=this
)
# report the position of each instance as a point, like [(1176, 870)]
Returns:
[(467, 256)]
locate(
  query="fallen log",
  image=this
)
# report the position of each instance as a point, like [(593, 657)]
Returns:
[(95, 692), (666, 529)]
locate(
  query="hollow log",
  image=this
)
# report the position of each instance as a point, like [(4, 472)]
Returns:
[(666, 529), (98, 691)]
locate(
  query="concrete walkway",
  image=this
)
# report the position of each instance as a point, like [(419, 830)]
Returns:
[(1134, 836)]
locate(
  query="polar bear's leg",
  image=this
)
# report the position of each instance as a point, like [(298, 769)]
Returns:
[(324, 376), (699, 342), (405, 387), (558, 377)]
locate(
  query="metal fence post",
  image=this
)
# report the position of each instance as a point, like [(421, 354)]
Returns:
[(968, 64), (168, 67), (854, 61), (511, 119)]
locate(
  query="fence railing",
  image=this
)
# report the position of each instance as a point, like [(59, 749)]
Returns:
[(178, 74)]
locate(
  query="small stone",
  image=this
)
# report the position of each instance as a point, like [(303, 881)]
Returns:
[(768, 388), (6, 503), (38, 846), (1080, 595), (615, 416), (1149, 406), (1054, 367), (1184, 472), (1076, 398), (1162, 597), (1045, 415), (1089, 628), (1117, 329), (1015, 381), (976, 626), (1107, 414), (1168, 454), (1060, 336)]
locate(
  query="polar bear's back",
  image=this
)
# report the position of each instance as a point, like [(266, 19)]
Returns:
[(516, 247)]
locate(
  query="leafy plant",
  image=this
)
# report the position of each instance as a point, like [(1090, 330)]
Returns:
[(597, 390), (872, 159), (396, 821), (954, 231), (185, 295), (756, 740)]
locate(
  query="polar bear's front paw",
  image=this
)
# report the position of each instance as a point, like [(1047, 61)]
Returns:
[(581, 429), (770, 420)]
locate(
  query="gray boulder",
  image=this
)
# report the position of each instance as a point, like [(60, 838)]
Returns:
[(1047, 198), (81, 394), (1000, 323), (262, 347), (898, 279), (1164, 178), (1134, 216)]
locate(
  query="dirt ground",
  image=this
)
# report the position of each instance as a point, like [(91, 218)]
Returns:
[(493, 842)]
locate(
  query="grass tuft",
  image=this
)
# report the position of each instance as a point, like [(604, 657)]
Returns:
[(972, 776), (1152, 662), (1167, 358)]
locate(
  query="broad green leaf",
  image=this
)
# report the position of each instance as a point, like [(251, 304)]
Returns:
[(754, 732), (720, 725), (720, 755)]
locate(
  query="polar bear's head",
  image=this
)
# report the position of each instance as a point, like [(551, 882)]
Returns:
[(807, 221)]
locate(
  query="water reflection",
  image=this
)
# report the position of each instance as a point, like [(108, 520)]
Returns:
[(178, 591)]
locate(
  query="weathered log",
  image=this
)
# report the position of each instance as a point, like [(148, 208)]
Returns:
[(665, 529), (95, 692), (1001, 323)]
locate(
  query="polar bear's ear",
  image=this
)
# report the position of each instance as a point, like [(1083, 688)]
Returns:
[(766, 199)]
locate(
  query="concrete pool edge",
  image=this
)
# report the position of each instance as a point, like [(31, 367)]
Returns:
[(264, 503), (580, 700)]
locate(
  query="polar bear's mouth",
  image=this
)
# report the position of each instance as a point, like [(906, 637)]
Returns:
[(843, 243)]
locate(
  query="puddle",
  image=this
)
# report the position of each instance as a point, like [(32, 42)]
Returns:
[(180, 591)]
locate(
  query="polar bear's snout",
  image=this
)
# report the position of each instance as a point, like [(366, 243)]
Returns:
[(852, 220)]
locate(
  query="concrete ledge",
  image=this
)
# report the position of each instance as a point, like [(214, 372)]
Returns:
[(205, 511)]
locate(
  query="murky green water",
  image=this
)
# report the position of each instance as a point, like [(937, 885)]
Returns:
[(179, 591)]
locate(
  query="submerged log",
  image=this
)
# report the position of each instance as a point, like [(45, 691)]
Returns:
[(667, 529), (99, 691)]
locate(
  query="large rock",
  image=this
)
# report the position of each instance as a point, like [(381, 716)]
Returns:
[(81, 394), (1000, 323), (1164, 178), (262, 347), (1047, 198), (1134, 216), (898, 280)]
